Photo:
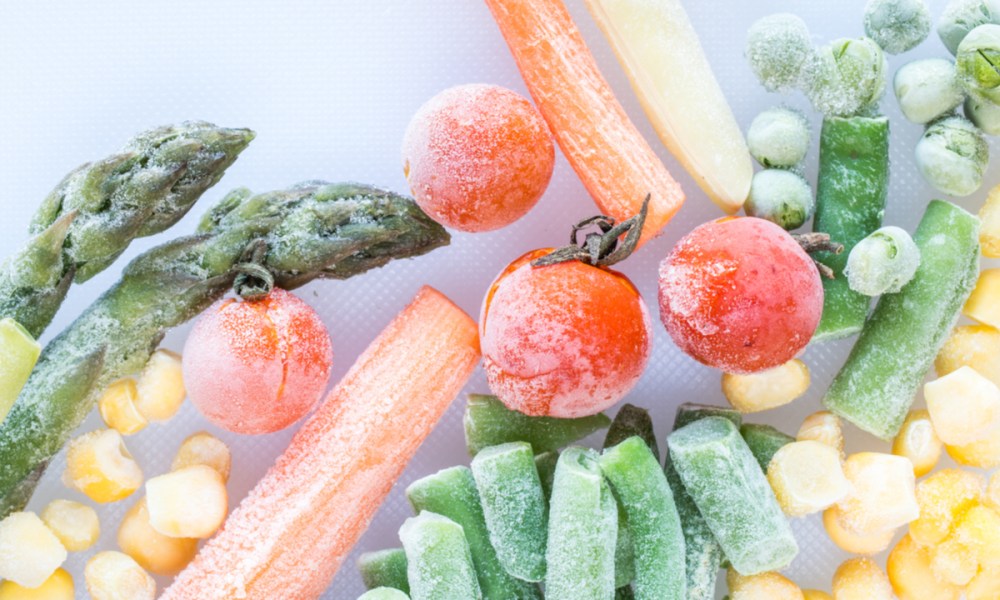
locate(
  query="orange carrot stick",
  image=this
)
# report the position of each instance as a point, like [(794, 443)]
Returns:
[(288, 537), (607, 152)]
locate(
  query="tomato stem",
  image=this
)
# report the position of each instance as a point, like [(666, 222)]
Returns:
[(253, 280), (600, 249), (818, 242)]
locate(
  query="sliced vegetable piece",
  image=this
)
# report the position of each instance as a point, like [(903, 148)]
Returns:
[(882, 495), (489, 423), (632, 420), (689, 412), (384, 568), (764, 441), (439, 564)]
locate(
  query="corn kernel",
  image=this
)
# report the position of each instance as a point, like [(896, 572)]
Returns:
[(763, 586), (861, 579), (823, 427), (767, 389), (882, 497), (953, 562), (852, 542), (992, 496), (154, 551), (76, 525), (118, 410), (983, 304), (191, 502), (806, 477), (29, 551), (115, 576), (979, 530), (57, 587), (909, 569), (976, 346), (99, 465), (985, 585), (942, 497), (918, 442), (983, 454), (203, 449), (161, 386), (815, 595), (964, 406), (989, 231)]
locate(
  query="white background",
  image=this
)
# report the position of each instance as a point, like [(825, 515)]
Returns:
[(329, 88)]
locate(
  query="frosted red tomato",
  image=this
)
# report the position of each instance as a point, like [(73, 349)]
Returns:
[(563, 340), (740, 294), (477, 157), (257, 367)]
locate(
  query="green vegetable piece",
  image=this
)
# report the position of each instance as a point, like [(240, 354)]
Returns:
[(984, 114), (657, 538), (883, 262), (439, 563), (952, 156), (927, 89), (546, 465), (583, 525), (779, 138), (850, 200), (962, 16), (846, 77), (978, 62), (624, 593), (489, 423), (384, 568), (18, 355), (312, 231), (876, 386), (452, 492), (624, 551), (631, 420), (764, 441), (514, 506), (781, 197), (689, 412), (778, 47), (724, 479), (384, 593), (897, 25)]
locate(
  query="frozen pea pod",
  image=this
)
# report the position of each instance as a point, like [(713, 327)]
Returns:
[(876, 386), (583, 526), (384, 593), (850, 200), (731, 492), (384, 568), (452, 492), (439, 563), (488, 423), (657, 538), (514, 506), (764, 441)]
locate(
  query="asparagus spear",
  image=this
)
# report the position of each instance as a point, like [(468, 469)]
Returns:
[(313, 230), (98, 209)]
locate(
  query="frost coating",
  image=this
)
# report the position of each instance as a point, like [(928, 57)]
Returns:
[(883, 262), (439, 564), (897, 25), (983, 113), (782, 197), (962, 16), (952, 156), (978, 62), (779, 137), (846, 77), (778, 47), (927, 89)]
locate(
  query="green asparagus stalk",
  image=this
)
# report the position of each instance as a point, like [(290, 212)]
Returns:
[(314, 230), (90, 218)]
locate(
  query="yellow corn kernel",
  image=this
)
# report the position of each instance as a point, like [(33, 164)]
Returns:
[(976, 346), (815, 595), (154, 551), (953, 562), (964, 406), (852, 542), (979, 530), (57, 587), (203, 448), (882, 496), (909, 570), (982, 454), (161, 386), (985, 585), (992, 496), (189, 503), (763, 586), (115, 576), (767, 389), (807, 477), (942, 497), (918, 442), (29, 551), (76, 525), (99, 465), (118, 409), (989, 231), (823, 427), (861, 579), (983, 304)]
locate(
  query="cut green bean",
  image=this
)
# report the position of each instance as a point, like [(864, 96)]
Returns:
[(850, 199), (764, 441), (452, 492), (514, 507), (384, 568), (624, 593), (689, 412), (732, 494), (657, 538), (546, 465), (624, 551), (876, 386), (632, 420), (489, 423), (383, 593), (439, 563), (583, 526)]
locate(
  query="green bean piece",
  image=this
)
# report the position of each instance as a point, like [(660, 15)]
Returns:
[(384, 568), (764, 441), (689, 412), (489, 423), (546, 465), (631, 420), (384, 593), (439, 563)]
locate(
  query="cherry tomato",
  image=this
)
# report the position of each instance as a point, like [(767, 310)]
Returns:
[(740, 294), (563, 340)]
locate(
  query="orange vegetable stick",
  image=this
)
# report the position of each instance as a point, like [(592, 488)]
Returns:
[(607, 152), (288, 537)]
